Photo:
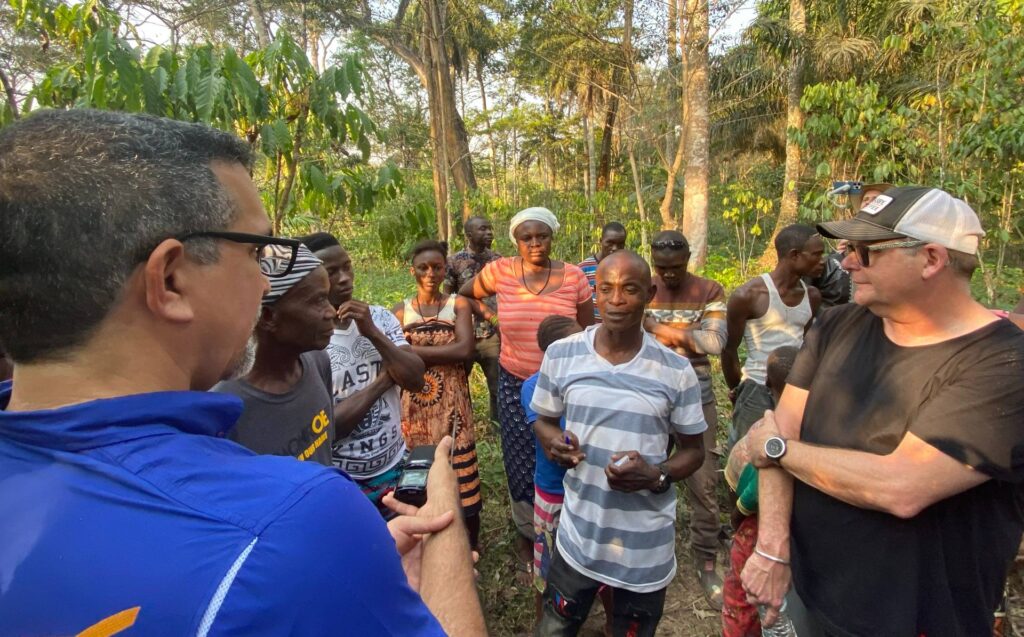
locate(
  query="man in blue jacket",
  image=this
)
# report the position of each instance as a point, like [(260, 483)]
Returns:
[(131, 277)]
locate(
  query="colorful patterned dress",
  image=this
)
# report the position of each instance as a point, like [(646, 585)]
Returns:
[(443, 405)]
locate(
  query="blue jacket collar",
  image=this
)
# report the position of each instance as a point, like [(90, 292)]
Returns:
[(112, 420)]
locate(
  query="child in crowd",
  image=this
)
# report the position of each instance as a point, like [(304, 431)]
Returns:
[(739, 618), (547, 480)]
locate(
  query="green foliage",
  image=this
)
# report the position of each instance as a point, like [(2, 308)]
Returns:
[(402, 222), (853, 132), (744, 209), (302, 121)]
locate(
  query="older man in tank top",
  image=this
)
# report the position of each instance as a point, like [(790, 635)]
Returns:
[(765, 313)]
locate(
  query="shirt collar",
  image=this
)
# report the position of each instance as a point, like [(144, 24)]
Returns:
[(111, 420)]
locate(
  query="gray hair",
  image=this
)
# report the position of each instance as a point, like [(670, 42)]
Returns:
[(85, 196)]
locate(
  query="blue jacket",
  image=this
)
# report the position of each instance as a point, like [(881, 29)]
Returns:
[(135, 511)]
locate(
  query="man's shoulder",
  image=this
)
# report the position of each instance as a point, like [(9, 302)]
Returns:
[(460, 258), (316, 358), (656, 352), (706, 287), (220, 478), (589, 262), (570, 346), (749, 291), (839, 318)]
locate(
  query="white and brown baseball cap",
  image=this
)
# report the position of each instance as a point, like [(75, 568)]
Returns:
[(926, 214)]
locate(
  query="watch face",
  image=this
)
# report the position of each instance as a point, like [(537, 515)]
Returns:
[(774, 447)]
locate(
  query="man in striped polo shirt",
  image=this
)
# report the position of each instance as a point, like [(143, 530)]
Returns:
[(623, 396)]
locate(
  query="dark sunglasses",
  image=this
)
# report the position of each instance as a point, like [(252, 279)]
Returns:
[(276, 255), (864, 250), (670, 245)]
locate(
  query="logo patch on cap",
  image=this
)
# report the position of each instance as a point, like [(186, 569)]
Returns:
[(876, 206)]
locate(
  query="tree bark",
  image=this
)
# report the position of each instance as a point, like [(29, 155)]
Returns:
[(437, 158), (638, 189), (262, 26), (591, 157), (456, 140), (12, 99), (695, 194), (611, 111), (490, 133), (668, 218), (674, 80), (794, 122), (435, 77)]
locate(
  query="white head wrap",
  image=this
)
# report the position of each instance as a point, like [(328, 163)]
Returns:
[(538, 213)]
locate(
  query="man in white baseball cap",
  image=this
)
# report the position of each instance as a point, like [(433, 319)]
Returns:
[(892, 466)]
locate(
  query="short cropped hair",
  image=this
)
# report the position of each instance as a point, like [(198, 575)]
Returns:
[(555, 328), (319, 241), (793, 237), (85, 196), (472, 220), (613, 226), (780, 362), (962, 263), (428, 245), (666, 236)]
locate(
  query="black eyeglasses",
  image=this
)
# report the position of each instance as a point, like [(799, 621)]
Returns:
[(276, 255), (864, 250), (670, 245)]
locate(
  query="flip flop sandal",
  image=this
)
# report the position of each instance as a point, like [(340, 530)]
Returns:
[(711, 584), (524, 573)]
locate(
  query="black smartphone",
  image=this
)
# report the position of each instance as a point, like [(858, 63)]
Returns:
[(412, 485)]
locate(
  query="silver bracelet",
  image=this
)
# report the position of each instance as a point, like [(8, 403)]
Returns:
[(777, 560)]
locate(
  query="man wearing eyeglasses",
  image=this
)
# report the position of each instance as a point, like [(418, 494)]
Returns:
[(901, 424), (130, 273)]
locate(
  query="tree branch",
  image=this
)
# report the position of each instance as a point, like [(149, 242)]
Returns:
[(12, 100)]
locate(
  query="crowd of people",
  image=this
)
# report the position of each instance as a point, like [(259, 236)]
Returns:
[(208, 434)]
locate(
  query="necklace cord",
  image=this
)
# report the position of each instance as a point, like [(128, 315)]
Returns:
[(522, 277)]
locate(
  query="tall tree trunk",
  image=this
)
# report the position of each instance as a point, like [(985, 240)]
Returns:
[(437, 157), (605, 166), (262, 26), (490, 133), (591, 157), (794, 122), (674, 79), (695, 194), (12, 99), (678, 151), (454, 130), (638, 189)]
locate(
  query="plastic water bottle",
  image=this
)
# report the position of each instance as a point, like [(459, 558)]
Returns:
[(783, 626)]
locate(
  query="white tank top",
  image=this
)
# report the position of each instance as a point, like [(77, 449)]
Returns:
[(781, 325), (410, 313)]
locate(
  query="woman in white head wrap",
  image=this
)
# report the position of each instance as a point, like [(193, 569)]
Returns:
[(529, 288)]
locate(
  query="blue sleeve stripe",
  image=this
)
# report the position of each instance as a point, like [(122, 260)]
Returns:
[(222, 590)]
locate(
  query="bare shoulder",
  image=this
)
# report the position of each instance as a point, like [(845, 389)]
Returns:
[(749, 291)]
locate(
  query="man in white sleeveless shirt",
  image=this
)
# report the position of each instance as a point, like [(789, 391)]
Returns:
[(769, 311)]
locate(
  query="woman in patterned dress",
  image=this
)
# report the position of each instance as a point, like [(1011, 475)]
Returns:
[(440, 329)]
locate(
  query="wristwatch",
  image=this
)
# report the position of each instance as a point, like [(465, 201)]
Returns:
[(775, 448), (664, 480)]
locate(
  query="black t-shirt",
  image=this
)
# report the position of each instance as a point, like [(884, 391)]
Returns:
[(298, 423), (868, 573)]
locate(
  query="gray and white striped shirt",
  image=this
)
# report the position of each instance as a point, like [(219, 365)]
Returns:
[(625, 540)]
